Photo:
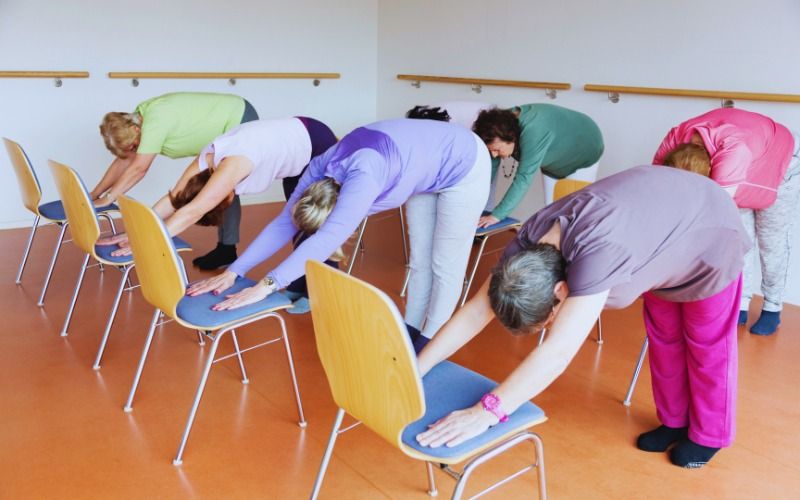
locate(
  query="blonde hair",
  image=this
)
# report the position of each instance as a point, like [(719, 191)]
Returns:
[(691, 157), (313, 208), (120, 132)]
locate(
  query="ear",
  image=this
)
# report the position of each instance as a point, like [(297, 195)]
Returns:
[(561, 291)]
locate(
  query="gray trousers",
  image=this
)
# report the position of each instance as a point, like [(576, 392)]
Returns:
[(228, 232), (771, 229), (441, 227)]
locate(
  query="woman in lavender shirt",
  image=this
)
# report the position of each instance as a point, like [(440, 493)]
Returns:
[(440, 171)]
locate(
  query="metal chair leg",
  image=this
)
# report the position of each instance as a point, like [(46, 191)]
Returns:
[(432, 491), (110, 221), (149, 340), (599, 330), (405, 281), (200, 340), (178, 460), (635, 377), (125, 272), (403, 235), (498, 450), (27, 249), (357, 246), (542, 334), (75, 296), (245, 380), (302, 419), (468, 284), (59, 241), (327, 456)]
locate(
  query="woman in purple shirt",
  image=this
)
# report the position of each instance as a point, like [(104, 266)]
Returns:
[(439, 170), (669, 236)]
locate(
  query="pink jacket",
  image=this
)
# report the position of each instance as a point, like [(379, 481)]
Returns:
[(747, 150)]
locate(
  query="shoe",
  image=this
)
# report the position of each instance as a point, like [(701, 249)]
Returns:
[(742, 317), (767, 323), (221, 256), (300, 306)]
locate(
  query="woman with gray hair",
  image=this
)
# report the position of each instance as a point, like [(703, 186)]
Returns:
[(669, 236)]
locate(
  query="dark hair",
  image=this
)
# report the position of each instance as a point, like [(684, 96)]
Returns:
[(428, 113), (691, 157), (521, 287), (196, 184), (497, 123)]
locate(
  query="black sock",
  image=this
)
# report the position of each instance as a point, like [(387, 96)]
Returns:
[(661, 438), (222, 255), (691, 455)]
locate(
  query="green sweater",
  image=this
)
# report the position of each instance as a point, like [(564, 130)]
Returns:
[(555, 139), (181, 124)]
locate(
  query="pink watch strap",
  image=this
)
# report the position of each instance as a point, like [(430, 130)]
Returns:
[(492, 404)]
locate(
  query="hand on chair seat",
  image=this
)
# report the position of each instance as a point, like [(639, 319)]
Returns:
[(217, 284), (488, 220)]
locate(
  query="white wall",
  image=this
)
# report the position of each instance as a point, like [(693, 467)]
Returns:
[(184, 35), (727, 45)]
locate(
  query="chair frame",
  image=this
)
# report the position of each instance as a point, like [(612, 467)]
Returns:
[(140, 221), (409, 385), (636, 371)]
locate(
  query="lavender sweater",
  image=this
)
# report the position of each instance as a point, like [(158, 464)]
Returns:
[(378, 166)]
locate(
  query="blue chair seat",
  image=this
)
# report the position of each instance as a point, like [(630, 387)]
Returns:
[(508, 221), (104, 252), (197, 310), (450, 387), (55, 210)]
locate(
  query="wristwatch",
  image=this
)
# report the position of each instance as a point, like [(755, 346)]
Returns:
[(491, 403), (269, 283)]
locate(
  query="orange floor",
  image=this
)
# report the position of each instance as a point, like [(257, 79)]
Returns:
[(64, 434)]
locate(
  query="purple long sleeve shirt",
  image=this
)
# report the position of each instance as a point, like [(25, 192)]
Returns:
[(378, 166)]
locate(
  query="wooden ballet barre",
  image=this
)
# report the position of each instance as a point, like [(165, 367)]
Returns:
[(135, 76), (44, 74), (614, 91), (55, 75), (477, 83)]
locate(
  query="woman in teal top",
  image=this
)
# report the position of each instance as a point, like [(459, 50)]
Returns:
[(562, 142), (175, 125)]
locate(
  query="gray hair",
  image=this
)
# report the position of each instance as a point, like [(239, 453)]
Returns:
[(521, 287)]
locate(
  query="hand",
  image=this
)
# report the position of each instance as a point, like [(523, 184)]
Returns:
[(457, 427), (217, 284), (487, 220), (123, 250), (244, 297), (117, 239)]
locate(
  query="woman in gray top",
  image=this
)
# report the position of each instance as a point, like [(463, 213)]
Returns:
[(670, 236)]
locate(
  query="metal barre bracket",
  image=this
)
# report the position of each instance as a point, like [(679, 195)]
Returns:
[(613, 97), (727, 103), (57, 82), (551, 93), (316, 82), (231, 81), (416, 84), (477, 88), (134, 82)]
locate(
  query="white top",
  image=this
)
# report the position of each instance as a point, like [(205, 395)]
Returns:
[(463, 113), (278, 148)]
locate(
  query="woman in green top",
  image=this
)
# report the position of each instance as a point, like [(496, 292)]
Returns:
[(562, 142), (175, 125)]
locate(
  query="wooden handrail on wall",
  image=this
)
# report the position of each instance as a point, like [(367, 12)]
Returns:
[(614, 91), (477, 83), (135, 76), (55, 75)]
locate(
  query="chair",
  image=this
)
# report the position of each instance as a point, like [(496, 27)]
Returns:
[(163, 283), (359, 244), (85, 229), (372, 373), (31, 193), (482, 235)]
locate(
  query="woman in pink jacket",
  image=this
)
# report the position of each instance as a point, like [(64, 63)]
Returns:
[(757, 161)]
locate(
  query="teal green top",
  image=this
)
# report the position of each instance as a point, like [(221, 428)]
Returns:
[(559, 140), (181, 124)]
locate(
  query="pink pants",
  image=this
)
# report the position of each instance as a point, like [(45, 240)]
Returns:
[(693, 363)]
